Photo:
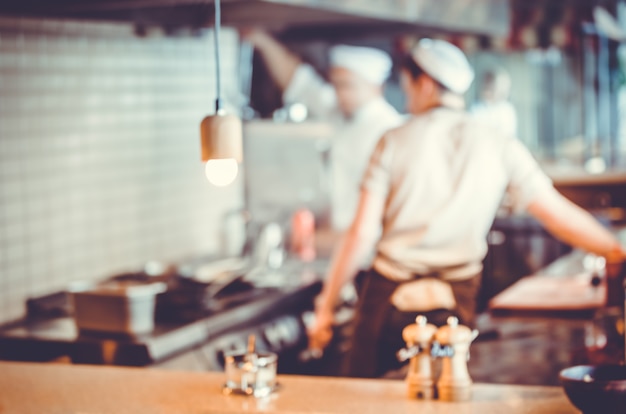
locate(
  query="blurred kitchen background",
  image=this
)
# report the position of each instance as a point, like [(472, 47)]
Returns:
[(100, 105)]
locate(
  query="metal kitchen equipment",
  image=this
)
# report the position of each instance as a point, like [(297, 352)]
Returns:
[(286, 168), (206, 285), (601, 124), (269, 247), (490, 17), (251, 373), (123, 307)]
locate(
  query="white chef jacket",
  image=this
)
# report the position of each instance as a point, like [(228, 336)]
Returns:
[(442, 175), (354, 140)]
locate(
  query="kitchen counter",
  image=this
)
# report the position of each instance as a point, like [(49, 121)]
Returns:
[(57, 388), (562, 289), (604, 194), (52, 338), (568, 175)]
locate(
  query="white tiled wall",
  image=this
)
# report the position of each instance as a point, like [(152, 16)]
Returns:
[(99, 152)]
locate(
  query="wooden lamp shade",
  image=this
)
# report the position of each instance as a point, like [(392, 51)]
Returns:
[(220, 134), (221, 137)]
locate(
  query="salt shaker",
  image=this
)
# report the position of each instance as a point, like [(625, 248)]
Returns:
[(419, 379), (455, 383), (252, 373)]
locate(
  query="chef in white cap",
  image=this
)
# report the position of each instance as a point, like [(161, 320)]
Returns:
[(434, 185), (353, 100), (493, 107)]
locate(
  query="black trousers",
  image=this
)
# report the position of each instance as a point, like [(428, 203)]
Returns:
[(378, 324)]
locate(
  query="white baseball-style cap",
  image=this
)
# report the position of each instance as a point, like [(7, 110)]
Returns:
[(445, 63), (372, 64)]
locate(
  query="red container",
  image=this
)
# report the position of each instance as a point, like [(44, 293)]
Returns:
[(303, 235)]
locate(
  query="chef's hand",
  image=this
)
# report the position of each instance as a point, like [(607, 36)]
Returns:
[(320, 332), (615, 261), (617, 255)]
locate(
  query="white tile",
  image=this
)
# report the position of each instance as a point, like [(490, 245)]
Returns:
[(107, 176), (15, 274)]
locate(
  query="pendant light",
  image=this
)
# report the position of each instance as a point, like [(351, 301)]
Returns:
[(220, 134)]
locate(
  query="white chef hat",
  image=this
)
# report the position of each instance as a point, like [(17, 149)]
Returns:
[(372, 64), (445, 63)]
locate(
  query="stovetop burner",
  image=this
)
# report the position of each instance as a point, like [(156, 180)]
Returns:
[(184, 300)]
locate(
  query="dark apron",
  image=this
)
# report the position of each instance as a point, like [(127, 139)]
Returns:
[(378, 324)]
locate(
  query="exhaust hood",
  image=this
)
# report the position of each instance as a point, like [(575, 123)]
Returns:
[(488, 17)]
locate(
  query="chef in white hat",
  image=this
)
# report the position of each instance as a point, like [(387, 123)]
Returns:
[(434, 185), (493, 107), (353, 100)]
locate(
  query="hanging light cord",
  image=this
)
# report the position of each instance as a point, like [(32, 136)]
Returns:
[(218, 18)]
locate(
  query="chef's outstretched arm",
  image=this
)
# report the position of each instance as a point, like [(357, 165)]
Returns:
[(575, 226), (353, 247), (280, 62), (298, 81)]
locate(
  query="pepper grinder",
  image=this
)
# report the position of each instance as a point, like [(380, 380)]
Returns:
[(455, 383), (419, 379)]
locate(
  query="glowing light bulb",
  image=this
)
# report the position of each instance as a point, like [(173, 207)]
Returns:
[(221, 172)]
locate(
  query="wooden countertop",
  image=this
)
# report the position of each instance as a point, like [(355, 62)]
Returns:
[(58, 388), (578, 176), (562, 289)]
